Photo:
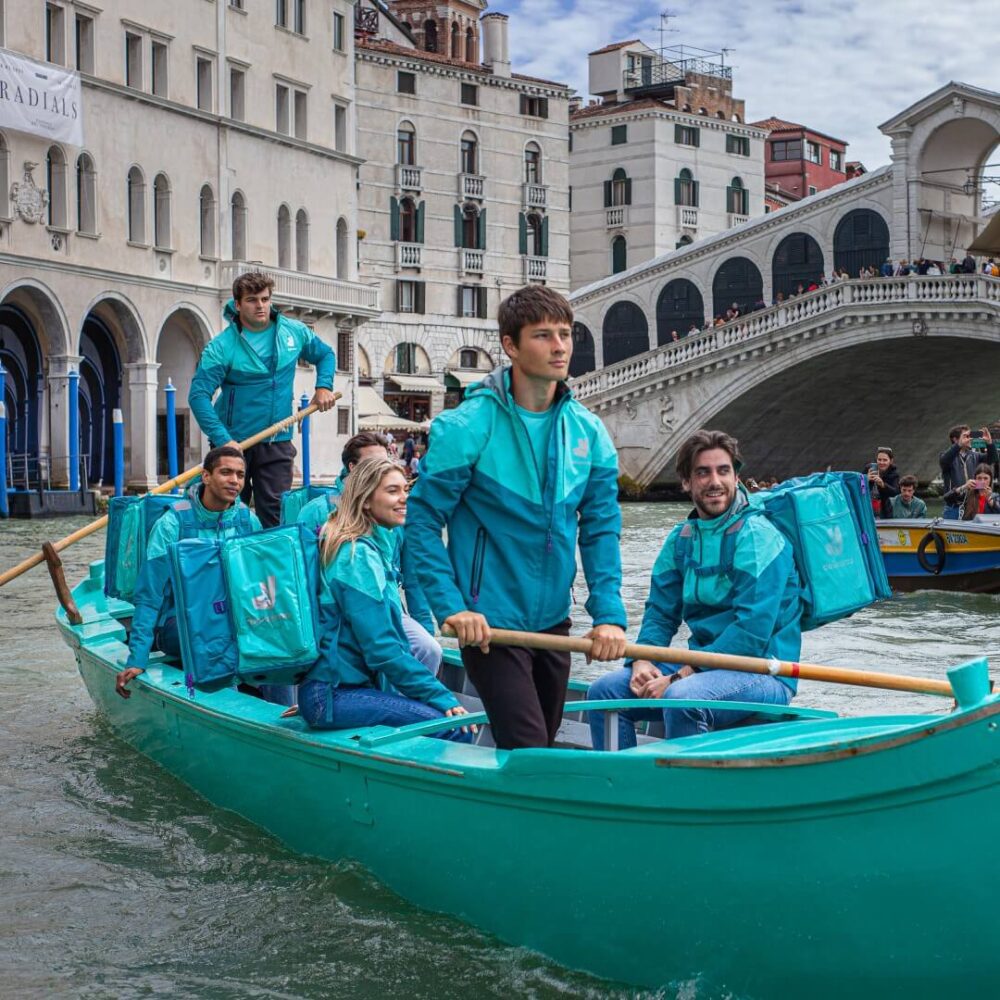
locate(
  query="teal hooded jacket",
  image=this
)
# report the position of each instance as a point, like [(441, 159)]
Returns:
[(752, 609), (253, 394), (512, 544), (316, 513), (154, 599), (362, 641)]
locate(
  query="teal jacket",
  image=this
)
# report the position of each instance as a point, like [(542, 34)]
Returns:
[(154, 599), (362, 641), (754, 610), (254, 395), (315, 514), (511, 551), (899, 508)]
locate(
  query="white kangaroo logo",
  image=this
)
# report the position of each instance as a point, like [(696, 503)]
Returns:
[(835, 542), (268, 594)]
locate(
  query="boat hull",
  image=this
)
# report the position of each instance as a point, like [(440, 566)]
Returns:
[(854, 857), (965, 556)]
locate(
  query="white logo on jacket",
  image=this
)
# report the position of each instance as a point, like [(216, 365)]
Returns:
[(268, 595)]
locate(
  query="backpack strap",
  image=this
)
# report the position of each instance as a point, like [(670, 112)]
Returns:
[(682, 547), (184, 512), (244, 526), (727, 550)]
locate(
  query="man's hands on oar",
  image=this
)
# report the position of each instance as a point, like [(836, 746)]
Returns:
[(470, 628), (607, 642)]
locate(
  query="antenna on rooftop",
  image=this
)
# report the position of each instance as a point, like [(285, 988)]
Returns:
[(665, 29), (723, 53)]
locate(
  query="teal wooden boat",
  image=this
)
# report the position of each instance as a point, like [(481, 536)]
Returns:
[(822, 856)]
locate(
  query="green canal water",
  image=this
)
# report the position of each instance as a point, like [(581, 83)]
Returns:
[(116, 881)]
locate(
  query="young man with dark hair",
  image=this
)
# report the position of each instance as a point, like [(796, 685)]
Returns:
[(958, 464), (906, 504), (518, 474), (253, 361), (731, 577), (212, 509)]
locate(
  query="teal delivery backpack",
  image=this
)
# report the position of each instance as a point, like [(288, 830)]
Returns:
[(292, 501), (247, 607), (130, 521)]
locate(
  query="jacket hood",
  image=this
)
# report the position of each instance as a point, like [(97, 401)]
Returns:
[(497, 384), (202, 513), (736, 509)]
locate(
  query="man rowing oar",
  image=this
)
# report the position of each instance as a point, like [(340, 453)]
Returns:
[(731, 577), (517, 474)]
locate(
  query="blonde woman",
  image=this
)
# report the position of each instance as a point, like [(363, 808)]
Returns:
[(362, 642)]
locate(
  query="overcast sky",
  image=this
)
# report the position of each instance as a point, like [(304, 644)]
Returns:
[(839, 66)]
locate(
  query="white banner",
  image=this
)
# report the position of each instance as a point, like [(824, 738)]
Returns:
[(40, 98)]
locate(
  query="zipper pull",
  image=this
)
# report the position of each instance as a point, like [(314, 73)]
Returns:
[(548, 541)]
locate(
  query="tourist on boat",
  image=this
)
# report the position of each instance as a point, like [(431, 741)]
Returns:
[(975, 496), (417, 620), (749, 608), (883, 481), (362, 642), (212, 509), (958, 464), (253, 361), (518, 474), (906, 504)]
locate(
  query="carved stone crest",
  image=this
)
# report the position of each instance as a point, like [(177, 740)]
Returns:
[(667, 414), (29, 200)]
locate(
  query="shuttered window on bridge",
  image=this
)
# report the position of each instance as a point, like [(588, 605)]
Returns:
[(583, 359), (678, 307), (625, 332), (797, 261), (739, 281), (860, 240)]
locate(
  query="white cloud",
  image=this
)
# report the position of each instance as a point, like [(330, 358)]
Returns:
[(839, 66)]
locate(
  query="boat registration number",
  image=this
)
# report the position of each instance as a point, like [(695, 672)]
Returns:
[(955, 539)]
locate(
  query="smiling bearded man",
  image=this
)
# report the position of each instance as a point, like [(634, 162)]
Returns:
[(731, 577)]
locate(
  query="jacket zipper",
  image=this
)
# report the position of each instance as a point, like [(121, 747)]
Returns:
[(478, 565), (229, 409)]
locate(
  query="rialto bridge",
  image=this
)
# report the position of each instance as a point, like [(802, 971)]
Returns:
[(824, 377)]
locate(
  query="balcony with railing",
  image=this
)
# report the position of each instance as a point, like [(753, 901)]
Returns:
[(312, 292), (409, 255), (409, 178), (617, 217), (662, 73), (536, 196), (687, 217), (471, 261), (736, 219), (535, 269), (471, 186)]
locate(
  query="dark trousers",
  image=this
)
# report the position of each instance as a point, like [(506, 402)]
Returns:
[(523, 690), (269, 474)]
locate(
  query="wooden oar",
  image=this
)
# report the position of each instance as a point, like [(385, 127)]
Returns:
[(184, 477), (724, 661)]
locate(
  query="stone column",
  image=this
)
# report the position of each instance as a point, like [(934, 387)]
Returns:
[(902, 211), (140, 426), (57, 384)]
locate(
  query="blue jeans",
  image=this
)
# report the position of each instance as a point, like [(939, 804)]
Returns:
[(423, 645), (324, 706), (713, 685), (953, 513)]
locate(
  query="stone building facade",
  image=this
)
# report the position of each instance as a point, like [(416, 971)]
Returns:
[(663, 159), (218, 137), (464, 194)]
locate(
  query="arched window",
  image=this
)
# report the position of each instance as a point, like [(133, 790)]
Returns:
[(238, 208), (430, 36), (284, 237), (737, 198), (532, 164), (406, 144), (407, 221), (625, 332), (86, 195), (55, 165), (686, 189), (470, 153), (619, 255), (470, 46), (206, 214), (343, 250), (470, 227), (621, 188), (301, 240), (582, 360), (136, 206), (161, 211), (456, 41), (536, 243), (861, 240)]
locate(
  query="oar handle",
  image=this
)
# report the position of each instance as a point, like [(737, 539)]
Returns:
[(726, 661), (184, 477)]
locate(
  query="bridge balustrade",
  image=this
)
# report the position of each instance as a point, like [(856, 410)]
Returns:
[(801, 309)]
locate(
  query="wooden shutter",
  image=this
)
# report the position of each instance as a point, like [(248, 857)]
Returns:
[(678, 194), (458, 225), (394, 219), (731, 199), (607, 194), (694, 194), (399, 296), (522, 234), (481, 230), (419, 226), (545, 237), (628, 190), (524, 104), (481, 295), (543, 107), (419, 298), (678, 134), (460, 305)]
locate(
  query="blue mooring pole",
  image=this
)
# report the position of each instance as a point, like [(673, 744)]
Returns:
[(119, 453), (3, 452), (171, 392), (303, 403), (73, 381)]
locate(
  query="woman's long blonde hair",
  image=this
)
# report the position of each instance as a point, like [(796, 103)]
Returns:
[(350, 520)]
